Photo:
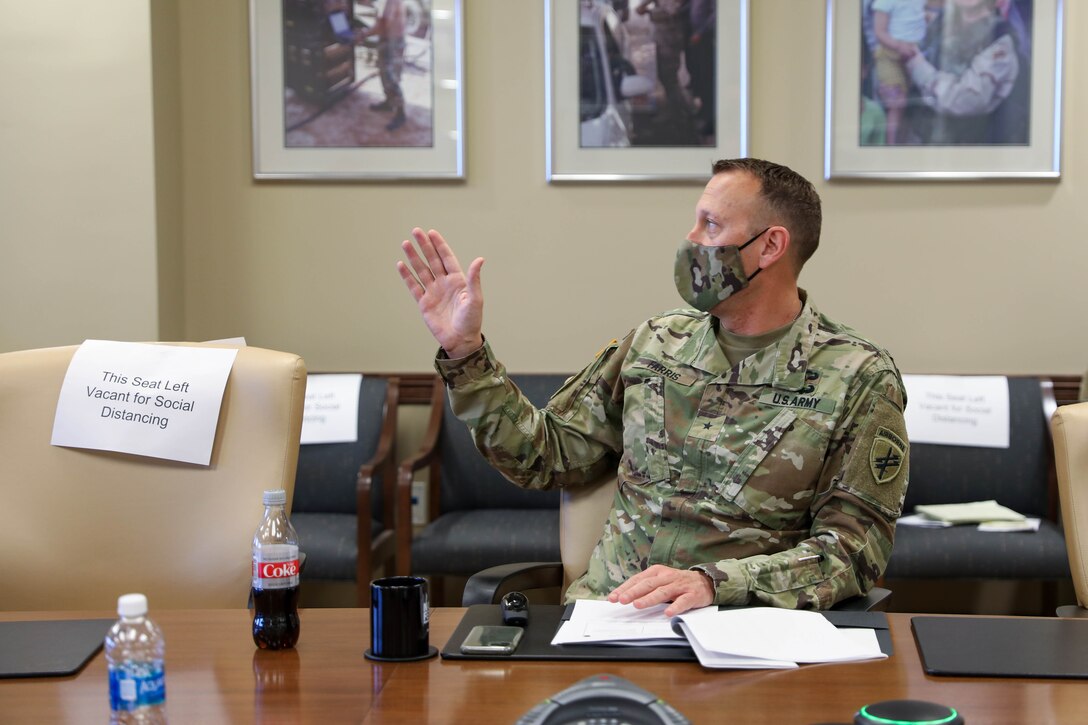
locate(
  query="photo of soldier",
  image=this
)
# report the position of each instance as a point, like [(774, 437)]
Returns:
[(357, 73), (972, 75), (670, 22), (700, 57), (967, 81), (390, 33)]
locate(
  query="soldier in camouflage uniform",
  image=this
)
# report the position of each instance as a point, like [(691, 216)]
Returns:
[(761, 448), (390, 30)]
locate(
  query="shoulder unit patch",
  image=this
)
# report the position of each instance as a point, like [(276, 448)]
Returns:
[(886, 455)]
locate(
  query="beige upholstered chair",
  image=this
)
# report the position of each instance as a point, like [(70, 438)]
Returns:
[(583, 511), (1070, 428), (79, 527)]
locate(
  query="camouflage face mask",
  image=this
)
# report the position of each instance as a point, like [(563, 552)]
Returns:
[(707, 275)]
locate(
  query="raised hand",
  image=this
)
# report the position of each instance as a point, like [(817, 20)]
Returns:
[(450, 301)]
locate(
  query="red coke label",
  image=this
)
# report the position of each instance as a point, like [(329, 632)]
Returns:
[(277, 569), (275, 566)]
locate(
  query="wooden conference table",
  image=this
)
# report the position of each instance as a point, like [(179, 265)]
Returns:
[(214, 674)]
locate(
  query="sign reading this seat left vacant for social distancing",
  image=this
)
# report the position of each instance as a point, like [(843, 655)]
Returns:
[(151, 400)]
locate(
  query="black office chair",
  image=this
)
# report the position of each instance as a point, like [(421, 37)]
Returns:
[(476, 518), (1017, 477)]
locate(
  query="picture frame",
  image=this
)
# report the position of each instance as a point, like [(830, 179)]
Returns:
[(979, 96), (605, 123), (320, 106)]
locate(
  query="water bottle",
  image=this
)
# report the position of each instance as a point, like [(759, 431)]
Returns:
[(275, 576), (134, 655)]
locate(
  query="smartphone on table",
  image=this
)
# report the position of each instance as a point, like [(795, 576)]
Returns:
[(487, 639)]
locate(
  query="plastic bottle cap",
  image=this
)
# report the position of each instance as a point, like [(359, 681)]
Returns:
[(132, 605), (277, 497)]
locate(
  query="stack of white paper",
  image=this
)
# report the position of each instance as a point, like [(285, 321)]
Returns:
[(922, 521), (773, 637), (759, 637), (601, 622)]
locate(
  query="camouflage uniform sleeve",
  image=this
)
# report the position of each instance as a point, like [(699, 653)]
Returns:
[(572, 440), (860, 495)]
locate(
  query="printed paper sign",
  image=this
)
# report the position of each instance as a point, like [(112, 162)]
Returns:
[(331, 414), (151, 400), (958, 410)]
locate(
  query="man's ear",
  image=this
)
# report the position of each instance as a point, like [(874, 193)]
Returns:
[(776, 246)]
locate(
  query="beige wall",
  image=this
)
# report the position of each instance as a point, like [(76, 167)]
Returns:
[(166, 70), (77, 248), (958, 277), (952, 276)]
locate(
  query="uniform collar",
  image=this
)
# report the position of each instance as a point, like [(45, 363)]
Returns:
[(782, 366)]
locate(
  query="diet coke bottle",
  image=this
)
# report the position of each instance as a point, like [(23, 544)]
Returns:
[(275, 576)]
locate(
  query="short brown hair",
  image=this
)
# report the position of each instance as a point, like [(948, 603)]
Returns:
[(788, 196)]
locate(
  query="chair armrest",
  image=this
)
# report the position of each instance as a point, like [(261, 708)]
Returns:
[(384, 458), (428, 448), (488, 586), (426, 455), (876, 600), (384, 462)]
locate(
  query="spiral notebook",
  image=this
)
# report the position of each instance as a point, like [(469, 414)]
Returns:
[(51, 648)]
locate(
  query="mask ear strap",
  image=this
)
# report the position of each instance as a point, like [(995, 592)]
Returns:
[(741, 248)]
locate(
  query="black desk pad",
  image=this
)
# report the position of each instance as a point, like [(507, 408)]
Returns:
[(1002, 646), (50, 648), (544, 620), (536, 642)]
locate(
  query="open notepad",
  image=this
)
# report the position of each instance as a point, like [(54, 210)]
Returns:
[(988, 515), (752, 638)]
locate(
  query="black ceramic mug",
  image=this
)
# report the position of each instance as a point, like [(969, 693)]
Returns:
[(399, 619)]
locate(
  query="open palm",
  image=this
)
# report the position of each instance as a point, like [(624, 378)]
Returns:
[(450, 300)]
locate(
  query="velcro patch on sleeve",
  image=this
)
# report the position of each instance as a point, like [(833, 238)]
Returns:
[(878, 467)]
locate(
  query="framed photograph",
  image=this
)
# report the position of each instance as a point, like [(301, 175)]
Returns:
[(943, 89), (641, 90), (357, 89)]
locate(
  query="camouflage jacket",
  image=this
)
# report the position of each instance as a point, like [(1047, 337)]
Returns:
[(780, 477)]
